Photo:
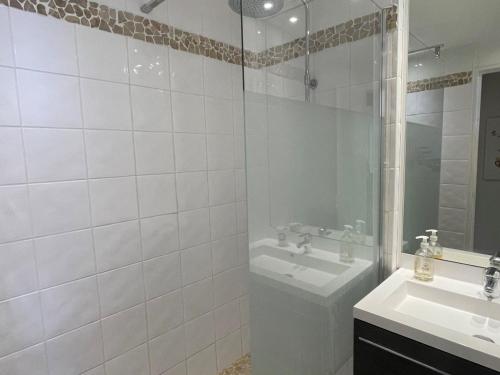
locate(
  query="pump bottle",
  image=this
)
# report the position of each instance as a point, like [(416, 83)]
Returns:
[(424, 261), (435, 247)]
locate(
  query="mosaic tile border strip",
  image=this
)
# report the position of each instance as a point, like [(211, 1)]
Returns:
[(94, 15), (347, 32), (241, 367), (450, 80)]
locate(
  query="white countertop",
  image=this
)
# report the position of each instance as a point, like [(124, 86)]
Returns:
[(375, 309)]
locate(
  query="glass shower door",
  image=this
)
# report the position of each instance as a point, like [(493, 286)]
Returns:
[(313, 176)]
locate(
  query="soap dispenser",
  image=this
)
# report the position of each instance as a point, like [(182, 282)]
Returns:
[(424, 261), (435, 247), (346, 245), (360, 234)]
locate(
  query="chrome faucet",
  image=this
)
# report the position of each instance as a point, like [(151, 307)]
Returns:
[(492, 277), (306, 243)]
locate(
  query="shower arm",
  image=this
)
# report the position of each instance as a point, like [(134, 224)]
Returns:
[(307, 74)]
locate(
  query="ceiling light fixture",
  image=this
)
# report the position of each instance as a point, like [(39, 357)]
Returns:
[(293, 19), (268, 6)]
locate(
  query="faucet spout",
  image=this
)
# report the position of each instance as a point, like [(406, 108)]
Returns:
[(492, 278), (306, 243)]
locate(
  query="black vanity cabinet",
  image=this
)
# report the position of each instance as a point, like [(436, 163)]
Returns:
[(380, 352)]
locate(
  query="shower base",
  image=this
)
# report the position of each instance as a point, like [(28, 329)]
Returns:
[(243, 367)]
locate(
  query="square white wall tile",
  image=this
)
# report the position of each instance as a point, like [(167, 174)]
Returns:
[(192, 190), (190, 152), (112, 285), (162, 275), (124, 331), (106, 105), (160, 235), (227, 319), (154, 152), (6, 53), (455, 172), (156, 195), (167, 350), (117, 245), (224, 254), (69, 306), (109, 153), (218, 78), (65, 257), (12, 156), (165, 313), (227, 286), (453, 196), (456, 147), (18, 269), (458, 98), (186, 15), (59, 207), (196, 264), (148, 64), (76, 351), (29, 361), (44, 43), (200, 333), (457, 122), (54, 154), (151, 109), (221, 186), (452, 219), (198, 299), (194, 228), (219, 115), (220, 152), (188, 113), (228, 349), (102, 55), (113, 200), (9, 111), (134, 362), (223, 221), (15, 222), (203, 363), (186, 72), (49, 100), (21, 323)]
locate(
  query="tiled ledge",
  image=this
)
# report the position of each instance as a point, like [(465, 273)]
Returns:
[(450, 80), (241, 367), (94, 15)]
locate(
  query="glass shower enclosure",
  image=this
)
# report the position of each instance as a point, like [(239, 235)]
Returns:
[(312, 76)]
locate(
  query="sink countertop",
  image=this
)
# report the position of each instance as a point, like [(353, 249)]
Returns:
[(377, 309)]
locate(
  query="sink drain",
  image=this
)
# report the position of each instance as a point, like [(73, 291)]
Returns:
[(485, 338)]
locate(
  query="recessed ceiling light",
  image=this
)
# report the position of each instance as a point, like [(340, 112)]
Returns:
[(259, 32), (293, 19), (269, 5)]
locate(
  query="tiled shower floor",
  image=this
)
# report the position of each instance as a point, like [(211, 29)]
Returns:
[(240, 367)]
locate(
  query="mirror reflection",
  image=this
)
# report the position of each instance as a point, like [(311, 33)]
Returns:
[(452, 181)]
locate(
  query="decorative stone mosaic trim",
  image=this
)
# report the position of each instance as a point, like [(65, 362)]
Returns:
[(450, 80), (334, 36), (241, 367), (94, 15)]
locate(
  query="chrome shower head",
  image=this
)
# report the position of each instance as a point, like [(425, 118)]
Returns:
[(257, 8)]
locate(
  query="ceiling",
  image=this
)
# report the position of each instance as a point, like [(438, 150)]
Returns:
[(454, 22)]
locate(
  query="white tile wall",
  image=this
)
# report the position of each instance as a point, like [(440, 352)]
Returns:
[(119, 200)]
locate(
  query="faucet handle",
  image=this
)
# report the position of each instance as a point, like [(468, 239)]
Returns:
[(495, 260)]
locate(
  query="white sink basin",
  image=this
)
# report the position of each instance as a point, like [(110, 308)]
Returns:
[(451, 315), (320, 273), (470, 316)]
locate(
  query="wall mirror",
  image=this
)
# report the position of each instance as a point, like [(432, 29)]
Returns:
[(452, 167)]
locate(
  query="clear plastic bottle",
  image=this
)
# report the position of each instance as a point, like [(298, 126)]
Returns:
[(360, 232), (346, 245), (424, 261), (435, 247)]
